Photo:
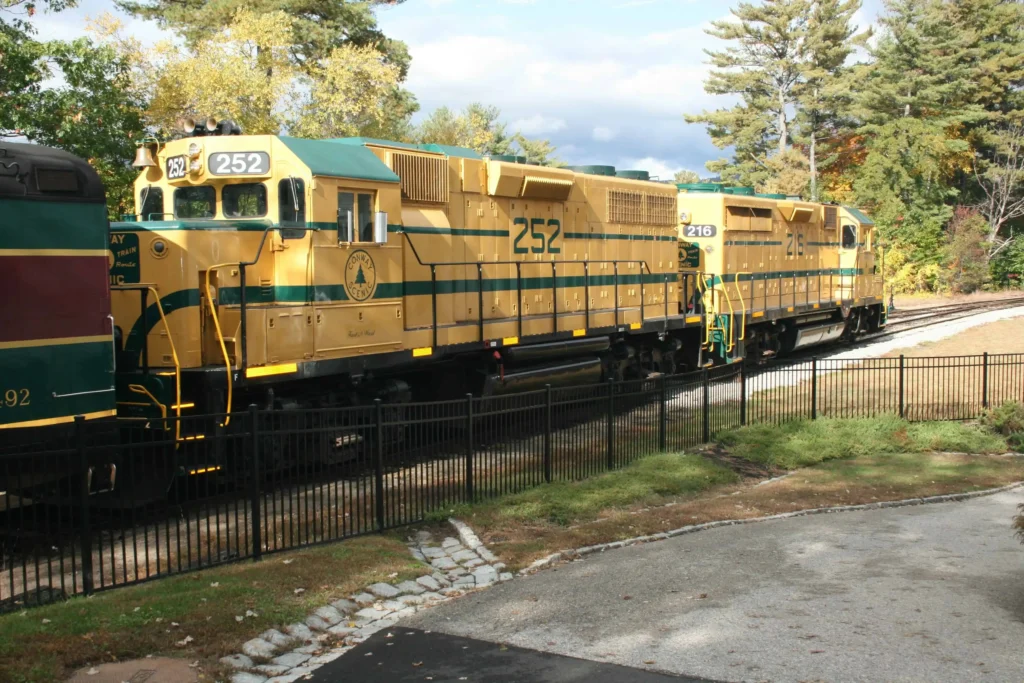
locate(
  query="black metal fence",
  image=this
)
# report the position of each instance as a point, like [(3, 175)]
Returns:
[(259, 481)]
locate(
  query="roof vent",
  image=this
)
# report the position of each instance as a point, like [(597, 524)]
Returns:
[(593, 170), (633, 175)]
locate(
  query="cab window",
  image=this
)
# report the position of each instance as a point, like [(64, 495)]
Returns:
[(360, 206), (291, 201), (195, 202), (247, 200), (152, 201), (849, 236)]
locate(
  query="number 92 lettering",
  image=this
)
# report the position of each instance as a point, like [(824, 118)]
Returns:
[(15, 398)]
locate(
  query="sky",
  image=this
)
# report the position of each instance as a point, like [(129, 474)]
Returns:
[(607, 81)]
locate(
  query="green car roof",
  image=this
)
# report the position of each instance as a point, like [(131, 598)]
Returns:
[(337, 159), (861, 217)]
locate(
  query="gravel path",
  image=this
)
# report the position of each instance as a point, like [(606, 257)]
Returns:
[(903, 594)]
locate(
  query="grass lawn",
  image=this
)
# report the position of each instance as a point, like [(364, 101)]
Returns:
[(808, 442), (47, 643), (832, 462)]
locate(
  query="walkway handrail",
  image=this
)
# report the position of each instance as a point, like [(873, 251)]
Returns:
[(434, 265), (145, 288)]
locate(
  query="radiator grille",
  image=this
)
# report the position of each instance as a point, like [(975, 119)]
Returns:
[(660, 209), (625, 206), (831, 217), (640, 208), (424, 179)]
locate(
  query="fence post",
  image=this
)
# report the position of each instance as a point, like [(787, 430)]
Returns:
[(255, 505), (814, 388), (378, 409), (984, 380), (611, 424), (903, 407), (663, 415), (86, 539), (469, 448), (743, 394), (547, 433), (706, 431)]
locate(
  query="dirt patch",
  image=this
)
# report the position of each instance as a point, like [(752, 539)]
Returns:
[(1003, 336), (741, 466)]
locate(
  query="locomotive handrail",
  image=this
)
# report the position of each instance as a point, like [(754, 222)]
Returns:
[(220, 338), (143, 290), (434, 265), (243, 332)]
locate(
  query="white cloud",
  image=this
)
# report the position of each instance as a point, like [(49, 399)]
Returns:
[(662, 169), (538, 124), (603, 134)]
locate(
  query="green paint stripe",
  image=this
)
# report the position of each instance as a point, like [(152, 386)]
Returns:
[(53, 225), (62, 369), (468, 232), (619, 236), (784, 275), (753, 243)]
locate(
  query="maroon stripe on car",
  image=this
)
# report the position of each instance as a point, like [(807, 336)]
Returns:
[(46, 297)]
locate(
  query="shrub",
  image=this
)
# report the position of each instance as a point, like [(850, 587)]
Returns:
[(1007, 419)]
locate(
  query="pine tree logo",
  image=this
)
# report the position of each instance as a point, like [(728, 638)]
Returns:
[(360, 276)]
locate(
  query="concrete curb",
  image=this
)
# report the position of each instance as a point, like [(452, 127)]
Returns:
[(577, 553)]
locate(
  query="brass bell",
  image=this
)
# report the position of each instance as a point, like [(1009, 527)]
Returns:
[(144, 157)]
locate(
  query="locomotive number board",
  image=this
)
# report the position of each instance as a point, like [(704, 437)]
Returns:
[(239, 163), (177, 167), (701, 231)]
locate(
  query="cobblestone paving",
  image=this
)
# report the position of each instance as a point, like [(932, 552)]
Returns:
[(458, 565)]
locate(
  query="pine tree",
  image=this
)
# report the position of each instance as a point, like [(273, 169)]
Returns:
[(762, 65), (915, 100), (360, 278), (824, 95)]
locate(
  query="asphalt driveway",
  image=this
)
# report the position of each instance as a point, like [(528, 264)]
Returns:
[(923, 593)]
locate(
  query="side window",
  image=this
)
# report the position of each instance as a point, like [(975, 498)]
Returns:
[(151, 203), (355, 209), (195, 202), (247, 200), (849, 236), (365, 218), (347, 221)]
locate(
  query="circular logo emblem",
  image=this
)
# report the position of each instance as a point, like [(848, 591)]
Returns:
[(360, 276)]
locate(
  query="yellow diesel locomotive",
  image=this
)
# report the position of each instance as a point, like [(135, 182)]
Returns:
[(288, 272)]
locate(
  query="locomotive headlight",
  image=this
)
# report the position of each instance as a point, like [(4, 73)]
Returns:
[(684, 217), (196, 166), (709, 249), (158, 248), (193, 150)]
